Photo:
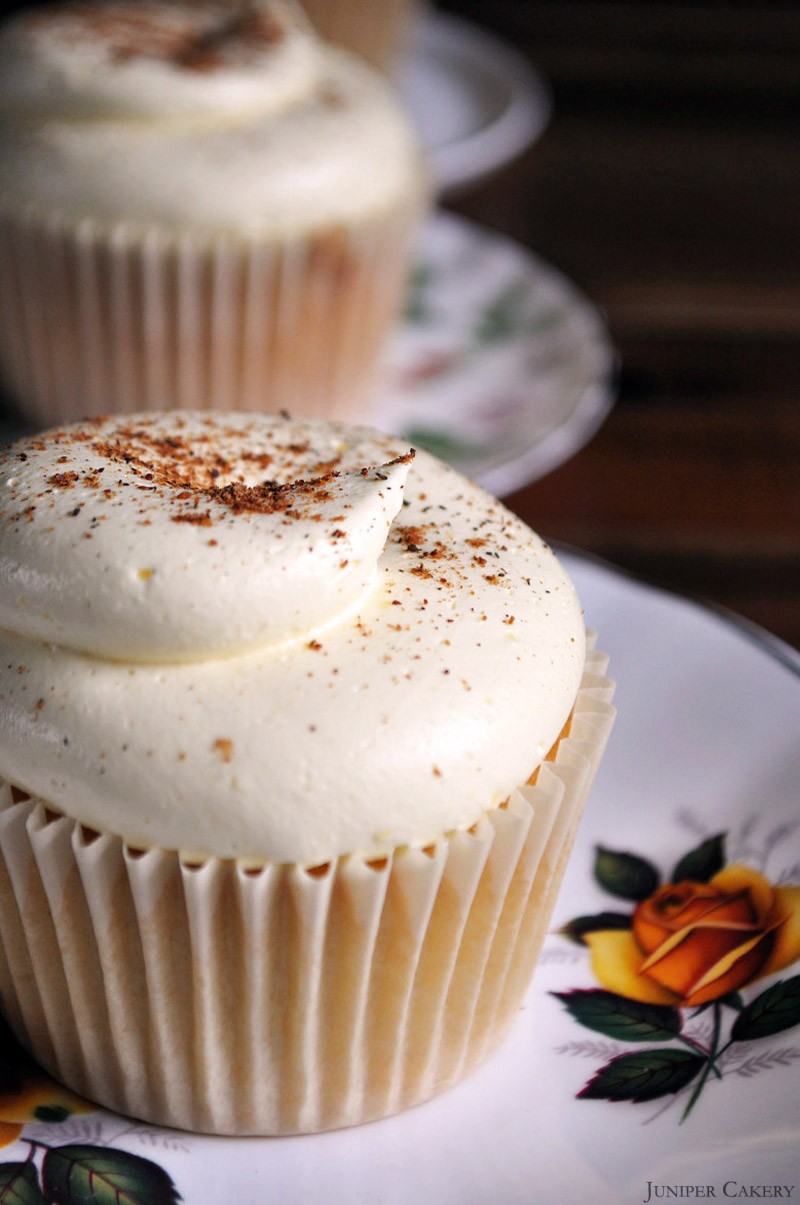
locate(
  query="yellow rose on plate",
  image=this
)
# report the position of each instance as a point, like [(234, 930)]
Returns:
[(692, 942), (9, 1132)]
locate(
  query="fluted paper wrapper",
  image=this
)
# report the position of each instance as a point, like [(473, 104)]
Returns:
[(228, 998), (95, 319)]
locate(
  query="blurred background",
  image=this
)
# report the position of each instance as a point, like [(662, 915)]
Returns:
[(666, 185)]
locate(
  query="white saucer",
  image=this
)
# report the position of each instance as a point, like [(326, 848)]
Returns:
[(501, 366), (475, 101), (705, 743)]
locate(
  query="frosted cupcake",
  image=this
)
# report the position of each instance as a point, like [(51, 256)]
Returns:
[(200, 205), (296, 728)]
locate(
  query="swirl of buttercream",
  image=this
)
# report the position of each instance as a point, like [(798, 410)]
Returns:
[(144, 543), (145, 59), (420, 704)]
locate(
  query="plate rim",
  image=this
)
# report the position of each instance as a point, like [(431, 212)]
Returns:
[(768, 642), (503, 474), (466, 161)]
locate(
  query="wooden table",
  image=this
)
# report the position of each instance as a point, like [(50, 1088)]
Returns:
[(667, 186)]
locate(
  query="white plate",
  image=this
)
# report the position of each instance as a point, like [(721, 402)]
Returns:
[(475, 101), (500, 366), (706, 742)]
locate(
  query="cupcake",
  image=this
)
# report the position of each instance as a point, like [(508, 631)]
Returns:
[(296, 727), (201, 205)]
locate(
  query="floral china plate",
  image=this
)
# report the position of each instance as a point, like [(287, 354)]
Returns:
[(657, 1053)]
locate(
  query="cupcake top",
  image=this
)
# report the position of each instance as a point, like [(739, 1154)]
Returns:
[(220, 116), (253, 637)]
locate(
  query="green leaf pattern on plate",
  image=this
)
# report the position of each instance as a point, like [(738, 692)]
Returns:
[(19, 1185), (94, 1175), (644, 1075)]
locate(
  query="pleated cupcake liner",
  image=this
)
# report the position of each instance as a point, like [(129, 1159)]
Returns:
[(232, 998), (98, 318)]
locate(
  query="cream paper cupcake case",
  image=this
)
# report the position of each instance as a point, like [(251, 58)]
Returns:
[(232, 998), (141, 318)]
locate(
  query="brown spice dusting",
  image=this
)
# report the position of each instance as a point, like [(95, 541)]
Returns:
[(63, 481), (264, 459), (138, 31), (178, 463), (224, 747), (271, 497), (207, 51), (198, 518), (412, 538)]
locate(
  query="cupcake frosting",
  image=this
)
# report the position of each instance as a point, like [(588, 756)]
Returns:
[(233, 117), (260, 638)]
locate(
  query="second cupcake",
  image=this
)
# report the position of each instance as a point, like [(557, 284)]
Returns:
[(200, 205)]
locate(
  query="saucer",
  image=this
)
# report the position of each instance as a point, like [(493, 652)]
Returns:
[(475, 101), (500, 365)]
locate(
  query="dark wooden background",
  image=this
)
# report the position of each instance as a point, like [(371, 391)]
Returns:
[(667, 186)]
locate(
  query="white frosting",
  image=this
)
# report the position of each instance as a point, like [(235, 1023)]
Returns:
[(173, 113), (146, 59), (184, 565), (367, 678)]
